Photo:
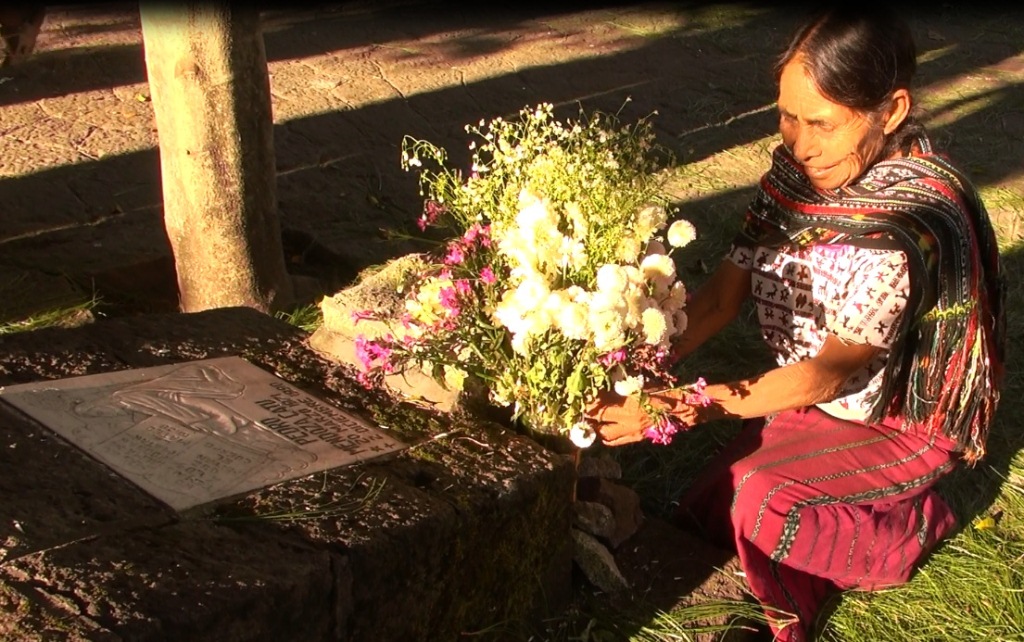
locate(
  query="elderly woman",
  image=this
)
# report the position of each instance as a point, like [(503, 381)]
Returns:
[(874, 273)]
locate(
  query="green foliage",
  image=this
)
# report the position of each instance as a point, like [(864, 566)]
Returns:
[(308, 317)]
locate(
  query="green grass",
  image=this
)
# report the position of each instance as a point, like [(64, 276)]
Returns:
[(65, 316), (308, 317)]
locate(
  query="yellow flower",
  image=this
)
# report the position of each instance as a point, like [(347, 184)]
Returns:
[(454, 378)]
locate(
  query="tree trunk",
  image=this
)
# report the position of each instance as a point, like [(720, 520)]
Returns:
[(208, 81)]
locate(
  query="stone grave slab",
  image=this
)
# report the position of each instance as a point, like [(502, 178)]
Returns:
[(464, 532), (194, 432)]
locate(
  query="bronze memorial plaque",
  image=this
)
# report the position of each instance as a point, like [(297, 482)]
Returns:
[(194, 432)]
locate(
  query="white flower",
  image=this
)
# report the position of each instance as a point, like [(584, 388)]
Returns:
[(571, 320), (680, 320), (633, 275), (660, 270), (656, 326), (650, 219), (520, 343), (611, 278), (676, 298), (533, 212), (572, 254), (577, 219), (582, 435), (629, 386), (635, 300), (655, 246), (628, 248), (608, 329), (681, 233)]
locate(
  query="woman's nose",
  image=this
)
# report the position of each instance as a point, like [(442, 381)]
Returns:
[(804, 144)]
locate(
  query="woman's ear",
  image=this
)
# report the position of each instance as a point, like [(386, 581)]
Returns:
[(899, 109)]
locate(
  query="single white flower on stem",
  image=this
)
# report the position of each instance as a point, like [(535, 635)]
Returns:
[(681, 233), (582, 435)]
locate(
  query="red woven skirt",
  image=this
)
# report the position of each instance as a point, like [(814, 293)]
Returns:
[(812, 504)]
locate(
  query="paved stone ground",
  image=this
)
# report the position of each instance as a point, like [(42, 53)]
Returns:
[(80, 176), (79, 179)]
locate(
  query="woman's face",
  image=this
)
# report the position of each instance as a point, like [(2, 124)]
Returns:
[(833, 143)]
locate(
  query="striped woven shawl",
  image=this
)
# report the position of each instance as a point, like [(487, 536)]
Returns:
[(945, 367)]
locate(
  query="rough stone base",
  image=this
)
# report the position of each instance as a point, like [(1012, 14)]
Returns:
[(457, 534)]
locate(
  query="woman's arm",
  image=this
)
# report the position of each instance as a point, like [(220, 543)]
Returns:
[(621, 420), (713, 306)]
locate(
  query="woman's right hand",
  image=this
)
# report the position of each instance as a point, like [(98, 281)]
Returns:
[(617, 420)]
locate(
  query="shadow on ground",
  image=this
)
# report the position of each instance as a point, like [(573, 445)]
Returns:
[(340, 182)]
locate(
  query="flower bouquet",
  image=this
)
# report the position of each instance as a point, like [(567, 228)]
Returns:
[(555, 283)]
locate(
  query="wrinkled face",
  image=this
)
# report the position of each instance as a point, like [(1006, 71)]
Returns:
[(833, 143)]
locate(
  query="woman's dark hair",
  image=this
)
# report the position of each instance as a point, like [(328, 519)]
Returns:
[(857, 56)]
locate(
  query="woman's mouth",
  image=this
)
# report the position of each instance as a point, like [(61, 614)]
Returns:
[(817, 172)]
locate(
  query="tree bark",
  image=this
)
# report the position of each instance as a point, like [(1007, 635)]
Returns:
[(210, 89)]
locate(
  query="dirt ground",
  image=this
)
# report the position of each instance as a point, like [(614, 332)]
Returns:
[(79, 175)]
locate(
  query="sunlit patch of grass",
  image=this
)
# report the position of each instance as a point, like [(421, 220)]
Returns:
[(308, 317), (1006, 208), (971, 589), (67, 316)]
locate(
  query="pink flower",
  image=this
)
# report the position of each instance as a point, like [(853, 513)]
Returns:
[(449, 300), (695, 395), (456, 255), (478, 232), (662, 431), (463, 287), (363, 352), (487, 275), (431, 210), (370, 352), (612, 358)]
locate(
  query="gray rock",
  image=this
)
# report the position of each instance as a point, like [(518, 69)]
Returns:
[(600, 466), (593, 518), (622, 500), (597, 563)]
